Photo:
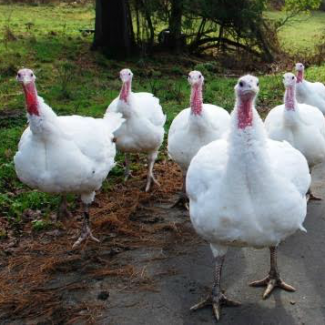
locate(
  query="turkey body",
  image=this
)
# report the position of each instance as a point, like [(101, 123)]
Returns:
[(143, 130), (68, 154), (246, 190), (302, 125), (303, 128), (236, 187), (312, 94), (189, 132)]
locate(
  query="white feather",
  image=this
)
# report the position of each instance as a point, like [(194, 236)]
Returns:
[(67, 154), (143, 130), (303, 128), (312, 94), (247, 190), (188, 132)]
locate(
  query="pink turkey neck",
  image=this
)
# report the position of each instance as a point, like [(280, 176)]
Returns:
[(300, 76), (245, 112), (289, 98), (196, 99), (125, 91), (31, 98)]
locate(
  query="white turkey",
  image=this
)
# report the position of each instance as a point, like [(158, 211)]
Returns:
[(311, 93), (64, 154), (302, 125), (236, 188), (195, 127), (143, 130)]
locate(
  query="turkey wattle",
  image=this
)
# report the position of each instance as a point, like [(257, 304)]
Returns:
[(195, 127), (64, 154), (236, 188), (311, 93), (143, 130)]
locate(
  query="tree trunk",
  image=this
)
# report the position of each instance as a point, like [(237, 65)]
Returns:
[(150, 24), (175, 25), (113, 28)]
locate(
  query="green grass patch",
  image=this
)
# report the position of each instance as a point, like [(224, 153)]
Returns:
[(302, 33), (74, 80)]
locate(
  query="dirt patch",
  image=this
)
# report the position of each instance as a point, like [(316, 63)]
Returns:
[(39, 273), (8, 117)]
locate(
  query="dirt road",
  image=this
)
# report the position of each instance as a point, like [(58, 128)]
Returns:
[(301, 262)]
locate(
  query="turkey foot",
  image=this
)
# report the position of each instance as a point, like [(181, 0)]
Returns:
[(85, 231), (216, 300), (127, 174), (127, 170), (217, 297), (312, 197), (182, 202), (273, 280), (151, 179)]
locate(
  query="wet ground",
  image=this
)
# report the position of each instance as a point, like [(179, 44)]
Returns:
[(157, 280)]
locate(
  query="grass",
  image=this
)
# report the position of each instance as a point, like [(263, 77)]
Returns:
[(74, 80), (302, 33)]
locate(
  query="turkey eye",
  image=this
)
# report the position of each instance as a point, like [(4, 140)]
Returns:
[(129, 74), (257, 84), (292, 78), (19, 75), (200, 76), (241, 84), (31, 75)]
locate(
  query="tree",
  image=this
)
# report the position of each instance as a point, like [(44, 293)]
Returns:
[(113, 28), (196, 26), (293, 8), (175, 25)]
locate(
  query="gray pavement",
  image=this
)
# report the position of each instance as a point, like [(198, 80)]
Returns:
[(301, 262)]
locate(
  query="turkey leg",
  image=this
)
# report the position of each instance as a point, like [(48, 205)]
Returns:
[(63, 210), (273, 279), (183, 199), (217, 297), (85, 231), (151, 161)]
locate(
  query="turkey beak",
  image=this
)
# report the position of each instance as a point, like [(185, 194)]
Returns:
[(25, 80), (289, 80), (287, 83), (125, 78), (299, 67), (250, 90), (248, 93)]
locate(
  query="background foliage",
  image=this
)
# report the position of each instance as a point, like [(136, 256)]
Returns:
[(47, 39)]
